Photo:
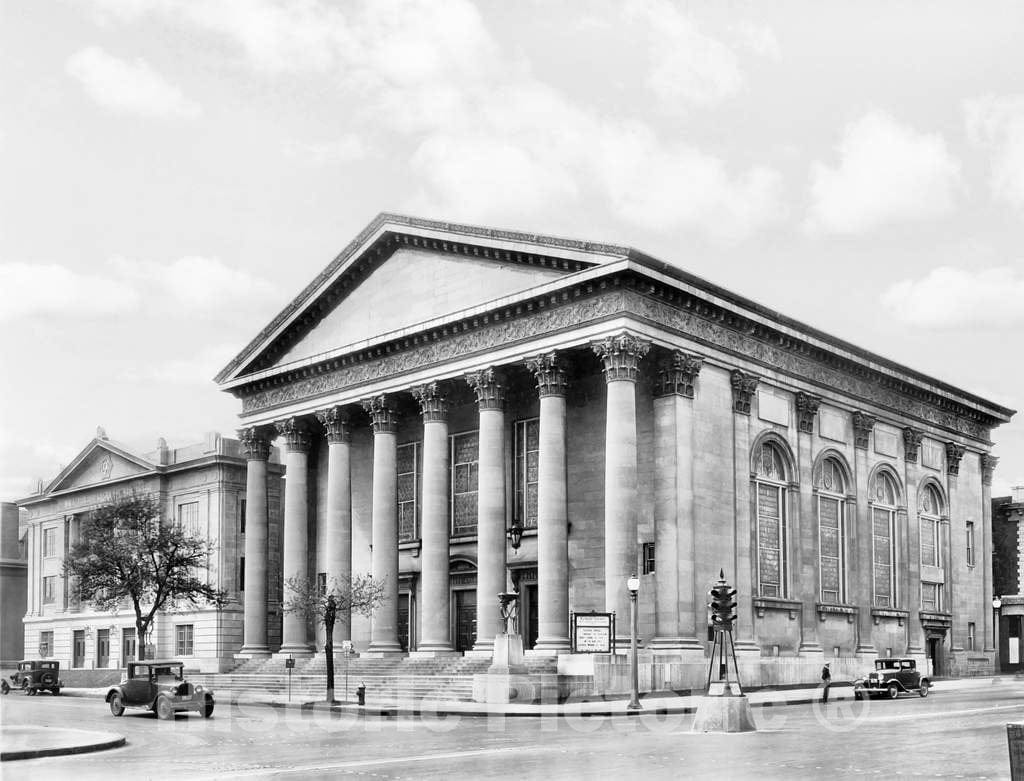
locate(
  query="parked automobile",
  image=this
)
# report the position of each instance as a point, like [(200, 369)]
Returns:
[(159, 686), (34, 676), (890, 678)]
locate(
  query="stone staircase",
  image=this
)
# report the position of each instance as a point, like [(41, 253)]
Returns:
[(390, 679)]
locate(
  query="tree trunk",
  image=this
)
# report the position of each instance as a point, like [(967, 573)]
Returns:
[(140, 641)]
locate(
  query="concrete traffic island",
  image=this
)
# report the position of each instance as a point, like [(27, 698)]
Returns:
[(725, 713), (30, 742)]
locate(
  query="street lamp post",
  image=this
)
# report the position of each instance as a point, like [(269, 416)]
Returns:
[(996, 604), (633, 584)]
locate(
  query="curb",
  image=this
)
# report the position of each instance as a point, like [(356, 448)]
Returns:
[(84, 748)]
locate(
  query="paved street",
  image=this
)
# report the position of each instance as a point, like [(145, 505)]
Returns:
[(951, 734)]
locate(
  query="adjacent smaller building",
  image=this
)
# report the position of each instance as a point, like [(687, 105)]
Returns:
[(13, 586), (201, 487), (1008, 578)]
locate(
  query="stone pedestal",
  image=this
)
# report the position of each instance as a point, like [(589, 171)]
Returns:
[(506, 680), (508, 655), (723, 714)]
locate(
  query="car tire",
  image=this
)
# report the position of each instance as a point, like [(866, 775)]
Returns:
[(5, 687), (55, 691), (47, 679), (894, 691), (923, 691), (116, 704), (164, 709), (207, 709)]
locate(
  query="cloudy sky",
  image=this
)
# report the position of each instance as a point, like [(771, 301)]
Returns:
[(174, 172)]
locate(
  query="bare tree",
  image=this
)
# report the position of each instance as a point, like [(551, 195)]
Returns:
[(126, 552), (322, 603)]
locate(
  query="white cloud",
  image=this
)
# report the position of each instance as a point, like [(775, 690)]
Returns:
[(996, 124), (130, 87), (51, 290), (347, 149), (886, 173), (196, 369), (951, 298), (757, 39)]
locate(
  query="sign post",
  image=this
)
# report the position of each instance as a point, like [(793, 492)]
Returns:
[(592, 633), (289, 664), (346, 650)]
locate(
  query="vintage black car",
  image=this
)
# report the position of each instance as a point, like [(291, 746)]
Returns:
[(34, 676), (890, 678), (159, 686)]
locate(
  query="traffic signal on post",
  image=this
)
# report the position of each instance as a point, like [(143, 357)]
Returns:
[(722, 604)]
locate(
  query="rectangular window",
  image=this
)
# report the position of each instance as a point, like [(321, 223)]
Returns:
[(49, 589), (830, 530), (50, 542), (321, 583), (970, 543), (770, 540), (127, 645), (527, 471), (648, 554), (45, 643), (930, 541), (931, 597), (241, 573), (970, 636), (465, 466), (183, 634), (188, 517), (408, 491), (241, 516), (883, 557)]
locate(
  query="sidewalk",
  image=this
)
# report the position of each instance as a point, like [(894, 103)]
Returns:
[(29, 742)]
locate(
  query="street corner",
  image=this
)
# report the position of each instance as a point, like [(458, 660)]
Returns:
[(30, 742)]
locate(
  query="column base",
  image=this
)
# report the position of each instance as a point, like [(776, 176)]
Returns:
[(747, 647), (662, 644), (484, 645), (389, 647), (253, 652), (433, 653), (550, 646), (865, 650), (294, 650), (485, 653), (811, 649)]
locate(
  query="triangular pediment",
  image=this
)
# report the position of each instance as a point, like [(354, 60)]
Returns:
[(100, 462), (401, 273)]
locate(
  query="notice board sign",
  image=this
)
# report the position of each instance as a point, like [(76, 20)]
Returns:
[(592, 633)]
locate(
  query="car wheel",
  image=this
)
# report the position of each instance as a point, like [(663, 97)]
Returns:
[(5, 687), (24, 685), (207, 708), (55, 691), (164, 709), (116, 704), (894, 691), (47, 679), (923, 691)]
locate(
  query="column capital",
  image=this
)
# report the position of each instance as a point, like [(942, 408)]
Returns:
[(912, 443), (863, 423), (677, 373), (255, 443), (621, 355), (335, 423), (489, 386), (382, 414), (296, 435), (954, 453), (432, 400), (743, 386), (988, 467), (549, 369), (806, 408)]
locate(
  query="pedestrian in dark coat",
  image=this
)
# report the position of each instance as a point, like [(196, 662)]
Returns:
[(826, 681)]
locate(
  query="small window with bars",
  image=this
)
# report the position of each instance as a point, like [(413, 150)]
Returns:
[(184, 640), (648, 558)]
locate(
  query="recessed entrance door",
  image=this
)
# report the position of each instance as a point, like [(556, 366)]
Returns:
[(102, 648), (403, 621), (78, 648), (127, 646), (465, 619), (935, 654), (531, 617)]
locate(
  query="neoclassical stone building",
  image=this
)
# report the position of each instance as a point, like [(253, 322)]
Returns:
[(201, 486), (437, 384)]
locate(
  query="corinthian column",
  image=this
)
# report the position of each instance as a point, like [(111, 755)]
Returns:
[(490, 522), (384, 519), (256, 446), (621, 355), (435, 608), (297, 442), (552, 510), (334, 549)]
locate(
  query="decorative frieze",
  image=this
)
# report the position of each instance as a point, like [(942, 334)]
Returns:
[(743, 387), (489, 387), (621, 355), (335, 423), (806, 410), (255, 444), (912, 443), (296, 436), (677, 374), (382, 415), (432, 400), (988, 467), (862, 426), (550, 371), (954, 453)]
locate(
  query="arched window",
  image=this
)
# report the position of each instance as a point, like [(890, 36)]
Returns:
[(930, 516), (884, 499), (831, 506), (770, 485)]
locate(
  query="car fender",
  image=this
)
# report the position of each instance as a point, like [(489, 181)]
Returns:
[(897, 681), (112, 692)]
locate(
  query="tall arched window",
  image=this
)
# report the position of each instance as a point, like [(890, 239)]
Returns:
[(931, 513), (771, 486), (885, 496), (830, 496)]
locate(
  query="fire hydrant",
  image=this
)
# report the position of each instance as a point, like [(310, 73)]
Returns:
[(361, 694)]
